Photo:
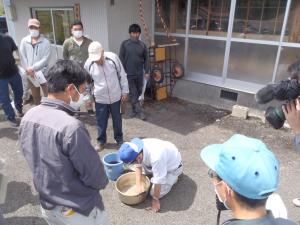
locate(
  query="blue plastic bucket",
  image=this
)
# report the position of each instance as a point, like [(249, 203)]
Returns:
[(113, 166)]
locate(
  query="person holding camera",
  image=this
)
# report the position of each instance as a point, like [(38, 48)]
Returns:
[(291, 111), (244, 173)]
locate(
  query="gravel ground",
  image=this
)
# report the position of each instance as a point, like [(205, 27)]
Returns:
[(190, 127)]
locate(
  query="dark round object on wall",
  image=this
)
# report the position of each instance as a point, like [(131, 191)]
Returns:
[(157, 75), (177, 70)]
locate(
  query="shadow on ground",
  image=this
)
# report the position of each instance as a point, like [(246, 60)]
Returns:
[(174, 114), (18, 195), (11, 133), (180, 198), (25, 220), (182, 117)]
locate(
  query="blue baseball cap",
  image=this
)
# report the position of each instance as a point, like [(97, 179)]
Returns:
[(130, 150), (245, 164)]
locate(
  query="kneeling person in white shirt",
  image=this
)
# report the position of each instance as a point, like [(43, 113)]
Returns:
[(161, 158)]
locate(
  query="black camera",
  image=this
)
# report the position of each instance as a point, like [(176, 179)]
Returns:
[(285, 90)]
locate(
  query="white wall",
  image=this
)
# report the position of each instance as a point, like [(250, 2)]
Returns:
[(93, 16), (121, 15)]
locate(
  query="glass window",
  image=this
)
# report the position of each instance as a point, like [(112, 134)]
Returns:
[(179, 49), (252, 62), (293, 27), (173, 13), (287, 57), (206, 56), (62, 19), (259, 19), (210, 17)]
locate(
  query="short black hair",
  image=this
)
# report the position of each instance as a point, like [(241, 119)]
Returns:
[(63, 73), (135, 28), (77, 22), (294, 69), (251, 203)]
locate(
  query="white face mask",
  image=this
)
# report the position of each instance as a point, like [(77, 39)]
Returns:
[(77, 34), (218, 195), (76, 105), (34, 33)]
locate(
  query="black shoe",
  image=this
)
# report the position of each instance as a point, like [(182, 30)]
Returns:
[(99, 147), (119, 143), (13, 122), (91, 112), (20, 113)]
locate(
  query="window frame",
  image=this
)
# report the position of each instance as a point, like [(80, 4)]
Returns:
[(33, 11)]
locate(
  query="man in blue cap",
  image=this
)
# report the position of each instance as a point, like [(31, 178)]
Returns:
[(244, 173), (161, 158)]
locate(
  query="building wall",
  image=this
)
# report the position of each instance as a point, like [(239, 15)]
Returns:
[(92, 12), (121, 15)]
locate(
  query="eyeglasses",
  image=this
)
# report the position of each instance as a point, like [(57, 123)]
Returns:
[(212, 174)]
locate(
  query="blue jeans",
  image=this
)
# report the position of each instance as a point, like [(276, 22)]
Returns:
[(16, 85), (102, 114)]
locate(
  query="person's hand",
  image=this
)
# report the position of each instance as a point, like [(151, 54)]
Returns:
[(147, 75), (292, 114), (155, 205), (140, 188), (124, 98), (30, 71)]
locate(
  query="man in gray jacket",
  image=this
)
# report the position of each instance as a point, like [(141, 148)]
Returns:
[(67, 171), (110, 89), (35, 55)]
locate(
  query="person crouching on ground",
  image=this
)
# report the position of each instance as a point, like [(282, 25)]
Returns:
[(244, 173), (161, 158)]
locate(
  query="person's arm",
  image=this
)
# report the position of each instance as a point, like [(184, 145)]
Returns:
[(39, 65), (159, 170), (85, 159), (155, 198), (292, 114), (123, 78), (23, 56), (138, 178), (65, 49), (147, 63), (122, 54)]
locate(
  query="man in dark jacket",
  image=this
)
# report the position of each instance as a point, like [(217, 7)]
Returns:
[(9, 75), (135, 60), (67, 171)]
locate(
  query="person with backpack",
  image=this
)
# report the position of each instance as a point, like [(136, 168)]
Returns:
[(244, 173), (110, 88)]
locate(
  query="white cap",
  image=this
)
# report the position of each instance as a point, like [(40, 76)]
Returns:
[(95, 51)]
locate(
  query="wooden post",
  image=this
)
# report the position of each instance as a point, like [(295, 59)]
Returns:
[(77, 11), (208, 17), (247, 18), (173, 15), (294, 23), (277, 14)]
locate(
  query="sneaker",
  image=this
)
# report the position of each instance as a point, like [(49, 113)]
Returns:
[(91, 112), (296, 202), (13, 122), (20, 113), (142, 116), (99, 147), (28, 101), (119, 143)]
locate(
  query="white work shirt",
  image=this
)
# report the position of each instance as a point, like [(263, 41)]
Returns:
[(160, 157)]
